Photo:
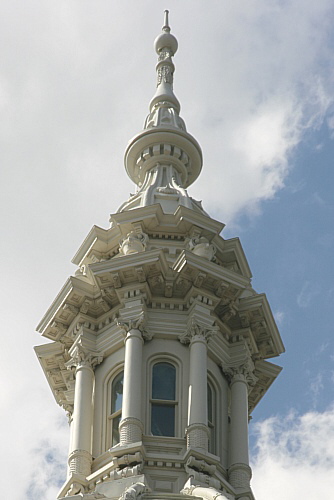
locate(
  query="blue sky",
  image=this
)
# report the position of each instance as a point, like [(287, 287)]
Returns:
[(255, 80)]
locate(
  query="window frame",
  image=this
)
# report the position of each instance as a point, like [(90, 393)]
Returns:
[(212, 424), (172, 403), (112, 416)]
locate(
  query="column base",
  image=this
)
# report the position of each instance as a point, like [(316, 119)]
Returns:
[(239, 476), (80, 463), (130, 431), (197, 436)]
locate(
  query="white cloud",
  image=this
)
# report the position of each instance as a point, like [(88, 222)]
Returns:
[(279, 317), (250, 77), (308, 292), (316, 387), (295, 457), (75, 81), (318, 200)]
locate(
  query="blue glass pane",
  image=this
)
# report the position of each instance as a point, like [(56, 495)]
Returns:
[(163, 420), (163, 385), (117, 393)]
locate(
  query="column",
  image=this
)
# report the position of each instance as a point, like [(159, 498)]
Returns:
[(80, 458), (240, 378), (131, 427), (197, 430)]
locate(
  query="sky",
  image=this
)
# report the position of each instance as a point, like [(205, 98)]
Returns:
[(255, 80)]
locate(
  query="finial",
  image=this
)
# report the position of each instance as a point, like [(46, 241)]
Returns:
[(165, 40), (166, 26), (163, 159)]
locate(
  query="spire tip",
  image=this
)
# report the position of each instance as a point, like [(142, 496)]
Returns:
[(166, 26)]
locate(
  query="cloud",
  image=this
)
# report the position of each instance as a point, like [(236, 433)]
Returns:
[(316, 387), (251, 81), (75, 82), (318, 200), (308, 292), (279, 317), (48, 463), (294, 457)]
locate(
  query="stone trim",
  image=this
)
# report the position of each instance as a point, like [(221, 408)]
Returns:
[(130, 430), (197, 436), (240, 476), (79, 462)]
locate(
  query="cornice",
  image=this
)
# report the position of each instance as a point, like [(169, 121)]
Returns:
[(266, 373), (71, 284), (188, 261), (153, 218), (234, 245), (262, 319), (130, 261), (97, 238)]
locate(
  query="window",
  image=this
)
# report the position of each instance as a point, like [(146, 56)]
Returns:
[(163, 399), (116, 407), (211, 395)]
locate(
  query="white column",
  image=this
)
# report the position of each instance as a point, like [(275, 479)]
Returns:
[(197, 411), (239, 420), (80, 457), (131, 427), (239, 471), (197, 431)]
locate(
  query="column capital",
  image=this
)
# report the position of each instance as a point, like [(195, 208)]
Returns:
[(197, 333), (82, 357), (135, 323), (243, 372)]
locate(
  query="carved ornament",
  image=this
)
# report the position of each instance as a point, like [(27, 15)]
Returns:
[(134, 324), (243, 373), (202, 247), (133, 492), (135, 241), (197, 332), (82, 357)]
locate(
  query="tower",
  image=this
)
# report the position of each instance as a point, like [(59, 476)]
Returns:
[(159, 342)]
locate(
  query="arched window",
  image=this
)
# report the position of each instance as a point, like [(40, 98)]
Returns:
[(116, 407), (211, 395), (163, 399)]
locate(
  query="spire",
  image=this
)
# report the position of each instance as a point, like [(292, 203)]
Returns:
[(163, 159), (165, 46)]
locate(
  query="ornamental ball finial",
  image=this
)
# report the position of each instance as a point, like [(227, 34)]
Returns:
[(165, 40)]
